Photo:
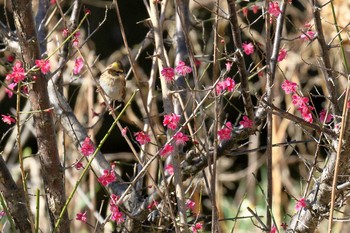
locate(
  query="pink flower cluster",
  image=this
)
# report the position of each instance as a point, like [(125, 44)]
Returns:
[(7, 119), (17, 74), (281, 55), (78, 66), (168, 73), (301, 102), (254, 8), (107, 177), (166, 150), (301, 203), (246, 122), (169, 169), (76, 39), (248, 48), (142, 137), (81, 216), (273, 229), (43, 65), (87, 148), (274, 9), (196, 227), (117, 215), (180, 138), (289, 87), (308, 35), (190, 204), (228, 84), (10, 89), (181, 69), (323, 116), (171, 120), (225, 132), (153, 204)]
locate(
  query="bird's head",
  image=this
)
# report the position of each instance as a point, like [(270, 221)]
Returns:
[(116, 66)]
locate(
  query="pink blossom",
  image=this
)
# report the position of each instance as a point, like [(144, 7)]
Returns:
[(87, 11), (142, 137), (197, 62), (25, 89), (225, 132), (78, 165), (10, 58), (153, 204), (281, 55), (8, 119), (180, 138), (196, 227), (65, 32), (301, 203), (190, 204), (169, 169), (181, 69), (245, 11), (255, 9), (88, 147), (284, 226), (124, 131), (323, 116), (81, 216), (76, 39), (168, 73), (307, 25), (2, 213), (228, 66), (307, 116), (44, 65), (246, 122), (116, 216), (308, 35), (274, 9), (220, 87), (273, 229), (303, 107), (348, 104), (107, 177), (300, 101), (171, 120), (18, 73), (248, 48), (10, 89), (78, 66), (166, 150), (230, 84), (289, 87)]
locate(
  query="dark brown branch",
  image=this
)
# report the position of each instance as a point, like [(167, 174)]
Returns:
[(328, 74), (52, 171), (236, 34), (14, 198)]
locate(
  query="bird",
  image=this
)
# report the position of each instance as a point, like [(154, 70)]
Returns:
[(112, 82)]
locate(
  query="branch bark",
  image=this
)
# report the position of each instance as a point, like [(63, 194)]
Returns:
[(52, 171), (15, 199)]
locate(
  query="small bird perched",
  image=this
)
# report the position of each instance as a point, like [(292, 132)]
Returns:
[(112, 81)]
